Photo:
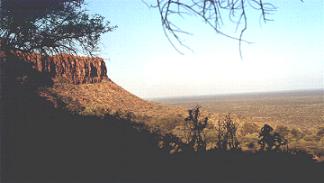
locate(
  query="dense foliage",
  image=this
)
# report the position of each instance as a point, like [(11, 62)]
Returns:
[(50, 26)]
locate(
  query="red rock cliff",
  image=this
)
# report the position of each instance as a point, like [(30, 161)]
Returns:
[(69, 69)]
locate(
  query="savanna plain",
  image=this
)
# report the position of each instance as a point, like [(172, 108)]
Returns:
[(296, 115)]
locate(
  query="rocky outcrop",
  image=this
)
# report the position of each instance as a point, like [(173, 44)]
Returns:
[(69, 68)]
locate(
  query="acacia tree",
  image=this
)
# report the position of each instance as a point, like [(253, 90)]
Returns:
[(50, 27)]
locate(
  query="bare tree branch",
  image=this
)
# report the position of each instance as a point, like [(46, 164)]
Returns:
[(212, 13)]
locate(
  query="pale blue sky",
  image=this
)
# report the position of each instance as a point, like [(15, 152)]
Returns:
[(287, 54)]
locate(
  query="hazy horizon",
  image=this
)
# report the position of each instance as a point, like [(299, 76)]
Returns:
[(241, 94), (286, 54)]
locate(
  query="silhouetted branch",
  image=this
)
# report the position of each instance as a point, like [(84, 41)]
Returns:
[(212, 13)]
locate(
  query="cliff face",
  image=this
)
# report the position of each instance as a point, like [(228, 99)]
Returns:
[(68, 68)]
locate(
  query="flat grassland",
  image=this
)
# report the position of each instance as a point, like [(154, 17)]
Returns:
[(303, 109), (297, 115)]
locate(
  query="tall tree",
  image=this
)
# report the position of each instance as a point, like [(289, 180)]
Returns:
[(50, 26)]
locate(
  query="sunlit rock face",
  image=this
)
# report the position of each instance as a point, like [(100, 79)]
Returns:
[(67, 68)]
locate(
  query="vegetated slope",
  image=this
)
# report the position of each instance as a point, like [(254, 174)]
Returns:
[(108, 99)]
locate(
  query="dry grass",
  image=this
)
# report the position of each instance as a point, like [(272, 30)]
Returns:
[(107, 98)]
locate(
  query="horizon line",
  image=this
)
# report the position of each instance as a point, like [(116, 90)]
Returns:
[(233, 94)]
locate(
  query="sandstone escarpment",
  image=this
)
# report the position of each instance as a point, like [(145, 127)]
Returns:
[(71, 69), (67, 68)]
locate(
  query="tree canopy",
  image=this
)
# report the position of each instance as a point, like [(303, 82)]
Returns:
[(50, 26)]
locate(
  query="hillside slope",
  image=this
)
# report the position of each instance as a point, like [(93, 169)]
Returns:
[(108, 99)]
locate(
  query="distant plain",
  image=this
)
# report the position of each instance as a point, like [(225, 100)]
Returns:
[(302, 109)]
